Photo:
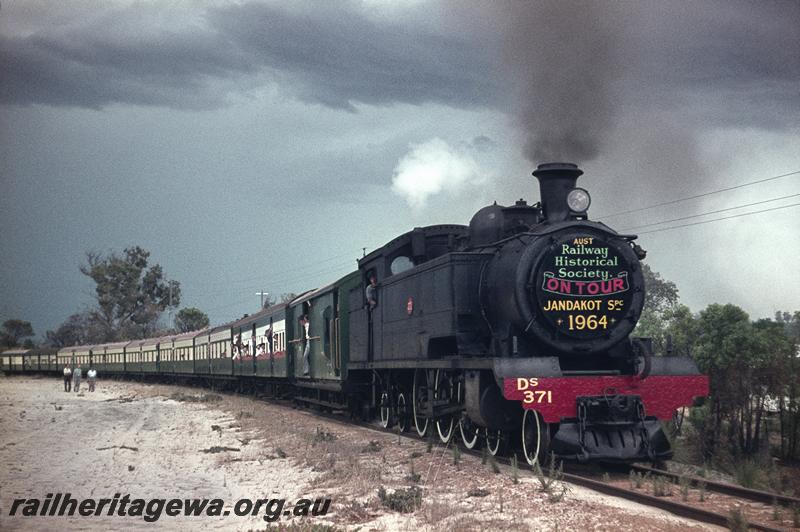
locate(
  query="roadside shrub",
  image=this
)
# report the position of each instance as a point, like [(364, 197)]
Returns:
[(747, 472), (551, 483), (684, 483), (322, 436), (737, 522), (401, 500), (413, 476), (372, 447), (661, 486), (702, 487)]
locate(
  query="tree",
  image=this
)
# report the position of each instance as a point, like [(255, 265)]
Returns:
[(791, 324), (74, 331), (14, 330), (191, 319), (747, 363), (789, 385), (682, 329), (723, 352), (660, 308), (130, 296)]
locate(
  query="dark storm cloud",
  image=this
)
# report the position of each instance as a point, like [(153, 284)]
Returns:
[(734, 63), (721, 42), (338, 56), (94, 71), (333, 54), (576, 66), (563, 57), (572, 65)]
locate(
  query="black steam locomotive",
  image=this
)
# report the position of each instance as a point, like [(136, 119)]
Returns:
[(518, 328), (515, 330)]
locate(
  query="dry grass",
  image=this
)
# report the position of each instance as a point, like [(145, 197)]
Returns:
[(343, 463), (438, 512), (467, 523), (300, 527), (356, 512), (202, 398)]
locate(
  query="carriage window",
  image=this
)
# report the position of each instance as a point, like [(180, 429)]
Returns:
[(401, 264)]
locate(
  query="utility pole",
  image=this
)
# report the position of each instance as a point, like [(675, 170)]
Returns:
[(263, 295), (171, 323)]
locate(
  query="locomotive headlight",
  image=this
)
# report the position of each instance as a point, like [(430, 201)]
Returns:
[(578, 200)]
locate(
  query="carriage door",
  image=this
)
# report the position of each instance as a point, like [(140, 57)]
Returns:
[(329, 337), (336, 349), (253, 344)]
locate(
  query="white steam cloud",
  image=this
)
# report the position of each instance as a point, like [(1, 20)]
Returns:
[(430, 168)]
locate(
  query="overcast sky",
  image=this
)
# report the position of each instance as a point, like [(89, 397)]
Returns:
[(260, 145)]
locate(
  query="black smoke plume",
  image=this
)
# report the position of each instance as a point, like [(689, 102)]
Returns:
[(563, 58)]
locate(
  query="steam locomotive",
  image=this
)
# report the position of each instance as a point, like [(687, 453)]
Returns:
[(512, 331)]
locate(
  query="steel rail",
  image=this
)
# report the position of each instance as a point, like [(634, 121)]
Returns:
[(676, 508), (724, 488)]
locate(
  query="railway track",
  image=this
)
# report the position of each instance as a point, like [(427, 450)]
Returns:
[(763, 510), (757, 507), (724, 488), (693, 511)]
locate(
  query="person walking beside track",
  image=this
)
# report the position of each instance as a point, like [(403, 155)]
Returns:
[(91, 375), (76, 378), (67, 378), (305, 322)]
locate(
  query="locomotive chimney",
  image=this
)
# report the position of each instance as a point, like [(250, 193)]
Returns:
[(555, 182)]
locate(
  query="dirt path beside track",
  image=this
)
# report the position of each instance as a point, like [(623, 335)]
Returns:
[(158, 441)]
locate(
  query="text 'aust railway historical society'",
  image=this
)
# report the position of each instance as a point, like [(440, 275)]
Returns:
[(582, 287)]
